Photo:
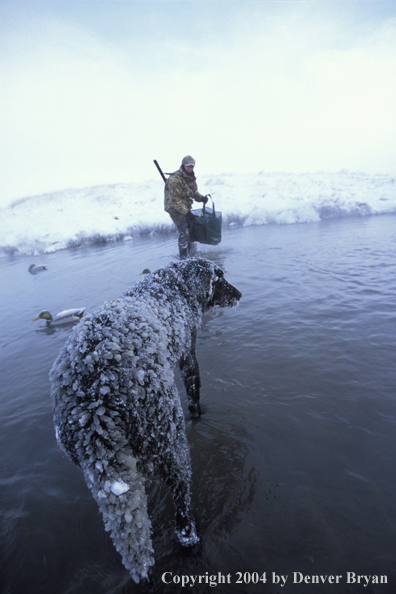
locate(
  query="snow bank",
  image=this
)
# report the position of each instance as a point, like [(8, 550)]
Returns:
[(99, 214)]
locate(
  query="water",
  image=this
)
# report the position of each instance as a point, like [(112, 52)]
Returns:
[(293, 459)]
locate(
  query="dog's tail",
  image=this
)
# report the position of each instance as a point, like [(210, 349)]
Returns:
[(120, 493)]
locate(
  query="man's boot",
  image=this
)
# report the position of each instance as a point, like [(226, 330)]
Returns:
[(183, 252)]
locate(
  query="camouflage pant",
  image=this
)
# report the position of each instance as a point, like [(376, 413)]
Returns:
[(182, 228)]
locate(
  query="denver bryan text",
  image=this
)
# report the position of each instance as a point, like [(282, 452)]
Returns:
[(350, 578)]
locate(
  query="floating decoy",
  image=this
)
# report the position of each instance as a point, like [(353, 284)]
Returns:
[(67, 316), (35, 269)]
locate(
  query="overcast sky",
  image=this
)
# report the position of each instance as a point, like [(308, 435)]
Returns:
[(93, 90)]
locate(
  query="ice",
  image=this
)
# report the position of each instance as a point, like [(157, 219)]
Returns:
[(118, 488)]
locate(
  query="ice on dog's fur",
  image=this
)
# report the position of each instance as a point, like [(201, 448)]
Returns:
[(117, 411)]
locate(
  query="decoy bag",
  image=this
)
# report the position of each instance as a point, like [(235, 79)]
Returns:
[(205, 225)]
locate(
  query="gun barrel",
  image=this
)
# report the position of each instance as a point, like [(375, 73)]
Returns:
[(160, 170)]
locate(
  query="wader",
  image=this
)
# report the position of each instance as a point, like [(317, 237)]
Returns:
[(184, 237)]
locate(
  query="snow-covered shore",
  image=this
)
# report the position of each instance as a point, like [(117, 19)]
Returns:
[(55, 221)]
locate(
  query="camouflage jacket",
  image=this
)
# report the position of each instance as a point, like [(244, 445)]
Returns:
[(180, 191)]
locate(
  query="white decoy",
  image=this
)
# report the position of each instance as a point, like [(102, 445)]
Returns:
[(67, 316), (35, 269)]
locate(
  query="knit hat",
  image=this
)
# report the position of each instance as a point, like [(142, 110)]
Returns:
[(188, 161)]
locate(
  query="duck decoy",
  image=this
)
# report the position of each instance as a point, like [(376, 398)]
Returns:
[(36, 268), (63, 317)]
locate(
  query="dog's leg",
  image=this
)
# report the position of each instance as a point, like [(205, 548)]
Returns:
[(190, 374), (185, 524), (172, 464), (177, 466)]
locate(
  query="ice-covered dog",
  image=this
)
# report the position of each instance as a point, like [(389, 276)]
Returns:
[(117, 411)]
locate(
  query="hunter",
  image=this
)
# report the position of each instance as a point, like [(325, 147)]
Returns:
[(180, 192)]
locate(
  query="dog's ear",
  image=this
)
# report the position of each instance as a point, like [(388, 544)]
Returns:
[(222, 292)]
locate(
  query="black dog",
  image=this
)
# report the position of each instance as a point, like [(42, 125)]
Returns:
[(117, 411)]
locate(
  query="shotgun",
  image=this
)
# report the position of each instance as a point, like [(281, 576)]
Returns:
[(160, 170)]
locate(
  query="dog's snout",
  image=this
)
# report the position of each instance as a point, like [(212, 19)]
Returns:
[(234, 292)]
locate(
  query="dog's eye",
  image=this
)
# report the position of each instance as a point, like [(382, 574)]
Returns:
[(219, 273)]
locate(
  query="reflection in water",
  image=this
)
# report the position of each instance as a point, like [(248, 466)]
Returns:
[(224, 487)]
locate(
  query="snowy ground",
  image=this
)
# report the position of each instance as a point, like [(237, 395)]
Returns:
[(50, 222)]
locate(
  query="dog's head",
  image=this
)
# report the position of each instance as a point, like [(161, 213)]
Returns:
[(205, 280), (223, 293)]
